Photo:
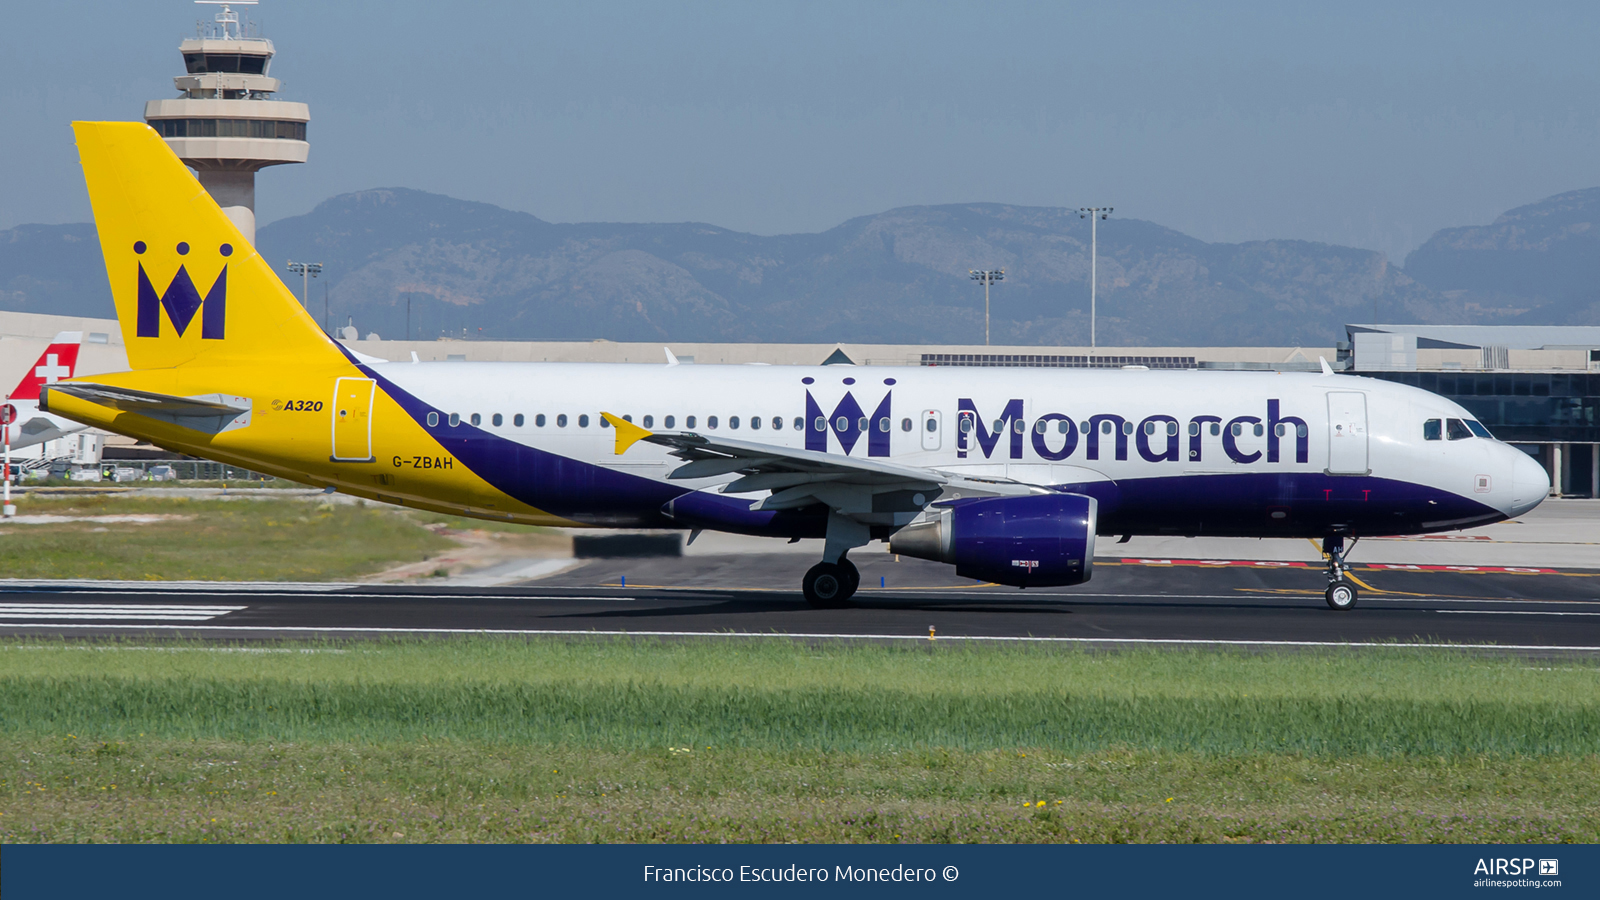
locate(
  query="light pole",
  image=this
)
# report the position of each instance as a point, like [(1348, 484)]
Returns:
[(306, 271), (986, 277), (1093, 214)]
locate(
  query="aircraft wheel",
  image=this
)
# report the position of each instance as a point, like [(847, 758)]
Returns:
[(827, 586), (1341, 596)]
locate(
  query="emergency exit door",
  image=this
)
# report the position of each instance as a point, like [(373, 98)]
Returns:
[(352, 420), (1347, 433)]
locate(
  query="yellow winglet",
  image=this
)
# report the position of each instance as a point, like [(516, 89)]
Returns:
[(628, 433)]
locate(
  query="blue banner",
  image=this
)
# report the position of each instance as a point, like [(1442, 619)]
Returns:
[(315, 872)]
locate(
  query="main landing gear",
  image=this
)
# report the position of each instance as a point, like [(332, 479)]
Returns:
[(831, 585), (1341, 592)]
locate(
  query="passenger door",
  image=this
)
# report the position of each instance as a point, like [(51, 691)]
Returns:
[(1347, 433), (352, 420)]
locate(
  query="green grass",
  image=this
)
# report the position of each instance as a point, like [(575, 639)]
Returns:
[(770, 740), (236, 540), (779, 695)]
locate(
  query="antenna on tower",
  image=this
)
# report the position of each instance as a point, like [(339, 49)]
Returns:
[(227, 17)]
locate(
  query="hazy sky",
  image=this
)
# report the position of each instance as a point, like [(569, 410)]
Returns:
[(1369, 124)]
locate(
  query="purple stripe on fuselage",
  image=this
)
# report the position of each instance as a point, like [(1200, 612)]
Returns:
[(584, 492)]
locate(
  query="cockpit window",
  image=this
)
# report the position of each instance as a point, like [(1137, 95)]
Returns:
[(1478, 429), (1433, 430), (1457, 430)]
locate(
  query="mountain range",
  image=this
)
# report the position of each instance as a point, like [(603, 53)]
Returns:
[(901, 276)]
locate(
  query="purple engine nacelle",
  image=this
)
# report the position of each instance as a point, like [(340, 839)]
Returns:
[(1043, 540)]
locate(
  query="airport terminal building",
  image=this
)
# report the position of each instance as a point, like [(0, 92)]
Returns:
[(1533, 386)]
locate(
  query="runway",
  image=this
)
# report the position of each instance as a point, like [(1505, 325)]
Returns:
[(743, 596)]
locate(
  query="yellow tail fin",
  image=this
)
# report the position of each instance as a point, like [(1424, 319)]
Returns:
[(187, 286)]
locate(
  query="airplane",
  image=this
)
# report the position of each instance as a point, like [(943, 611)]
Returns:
[(30, 426), (1010, 475)]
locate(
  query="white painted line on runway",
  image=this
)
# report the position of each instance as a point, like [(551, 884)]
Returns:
[(8, 585), (1187, 642), (1512, 612), (357, 596), (114, 611)]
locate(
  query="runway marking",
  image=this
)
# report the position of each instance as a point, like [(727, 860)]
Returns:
[(114, 611), (1295, 564), (1514, 612), (921, 638), (14, 585), (327, 596)]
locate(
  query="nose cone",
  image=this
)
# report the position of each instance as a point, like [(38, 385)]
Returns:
[(1530, 484)]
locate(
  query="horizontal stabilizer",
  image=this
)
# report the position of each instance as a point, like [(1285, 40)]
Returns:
[(210, 413)]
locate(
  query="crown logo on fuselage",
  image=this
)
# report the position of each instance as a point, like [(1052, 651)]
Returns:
[(182, 300)]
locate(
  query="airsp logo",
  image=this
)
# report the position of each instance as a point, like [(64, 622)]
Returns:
[(182, 300), (1515, 867)]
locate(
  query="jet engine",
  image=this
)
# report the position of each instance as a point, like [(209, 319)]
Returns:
[(1042, 540)]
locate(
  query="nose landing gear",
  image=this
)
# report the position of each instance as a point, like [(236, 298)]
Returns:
[(1341, 592)]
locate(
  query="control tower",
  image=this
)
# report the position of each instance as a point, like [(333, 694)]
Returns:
[(225, 124)]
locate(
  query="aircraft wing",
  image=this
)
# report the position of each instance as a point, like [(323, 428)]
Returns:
[(211, 413), (851, 486)]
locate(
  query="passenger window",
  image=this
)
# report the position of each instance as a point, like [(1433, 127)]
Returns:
[(1456, 430), (583, 421), (932, 426), (799, 423), (1260, 429), (1105, 427), (755, 423), (905, 424), (1019, 426), (1478, 429), (1172, 428), (561, 420), (711, 422), (1149, 428), (649, 421), (777, 423), (1040, 426), (455, 419), (433, 419), (820, 424), (966, 425), (1063, 426), (1300, 431), (1216, 428), (539, 420), (883, 424), (861, 424), (517, 420), (497, 421), (1236, 428), (669, 422), (689, 423), (1433, 430), (733, 421), (476, 420), (1127, 428), (1194, 429)]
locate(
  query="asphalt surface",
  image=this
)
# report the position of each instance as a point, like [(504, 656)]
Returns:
[(1531, 610)]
